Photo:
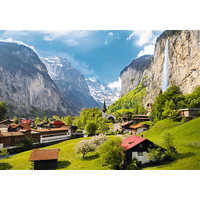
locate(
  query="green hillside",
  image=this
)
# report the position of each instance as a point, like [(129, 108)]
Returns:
[(129, 100), (184, 134)]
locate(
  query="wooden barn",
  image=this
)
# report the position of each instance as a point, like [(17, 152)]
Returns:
[(44, 159)]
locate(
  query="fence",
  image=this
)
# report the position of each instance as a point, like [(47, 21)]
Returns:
[(195, 143)]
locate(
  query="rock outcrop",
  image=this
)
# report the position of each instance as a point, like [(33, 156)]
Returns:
[(24, 79), (133, 74)]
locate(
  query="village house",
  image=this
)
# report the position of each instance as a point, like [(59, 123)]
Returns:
[(139, 128), (44, 125), (126, 126), (140, 118), (124, 117), (44, 159), (54, 134), (6, 122), (57, 123), (189, 112), (136, 146)]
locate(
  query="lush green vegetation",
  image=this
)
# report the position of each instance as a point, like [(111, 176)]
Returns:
[(89, 119), (132, 101), (188, 155), (173, 99), (3, 110)]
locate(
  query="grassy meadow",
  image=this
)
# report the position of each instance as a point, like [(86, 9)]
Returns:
[(67, 159)]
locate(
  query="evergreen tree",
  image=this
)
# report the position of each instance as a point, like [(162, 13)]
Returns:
[(3, 110)]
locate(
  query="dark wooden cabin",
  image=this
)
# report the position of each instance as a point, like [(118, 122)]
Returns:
[(44, 159)]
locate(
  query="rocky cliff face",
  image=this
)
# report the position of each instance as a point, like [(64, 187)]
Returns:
[(24, 79), (183, 65), (71, 83), (133, 74)]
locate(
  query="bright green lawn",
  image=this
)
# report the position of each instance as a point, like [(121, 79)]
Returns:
[(189, 156), (67, 159)]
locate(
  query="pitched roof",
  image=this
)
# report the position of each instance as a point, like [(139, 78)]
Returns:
[(124, 116), (54, 129), (26, 121), (104, 106), (41, 123), (5, 134), (44, 154), (25, 126), (126, 123), (58, 123), (139, 126), (131, 142)]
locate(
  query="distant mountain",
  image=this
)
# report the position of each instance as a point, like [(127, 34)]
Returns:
[(25, 81), (101, 91), (71, 83)]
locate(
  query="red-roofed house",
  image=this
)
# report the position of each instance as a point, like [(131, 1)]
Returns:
[(58, 123), (26, 121), (136, 146)]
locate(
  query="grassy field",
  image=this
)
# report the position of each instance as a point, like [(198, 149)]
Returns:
[(183, 134), (67, 160)]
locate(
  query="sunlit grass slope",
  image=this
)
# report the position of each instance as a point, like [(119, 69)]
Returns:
[(189, 156), (67, 159)]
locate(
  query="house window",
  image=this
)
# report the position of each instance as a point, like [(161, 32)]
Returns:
[(144, 129), (140, 153), (140, 145), (150, 145)]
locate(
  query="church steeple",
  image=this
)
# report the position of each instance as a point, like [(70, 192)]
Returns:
[(104, 106), (104, 109)]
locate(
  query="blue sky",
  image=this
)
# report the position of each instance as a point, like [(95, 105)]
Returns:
[(100, 54)]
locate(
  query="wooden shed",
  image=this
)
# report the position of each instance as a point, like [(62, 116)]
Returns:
[(44, 159)]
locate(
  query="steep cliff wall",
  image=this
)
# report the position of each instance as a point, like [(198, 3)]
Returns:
[(133, 74), (183, 65), (24, 79)]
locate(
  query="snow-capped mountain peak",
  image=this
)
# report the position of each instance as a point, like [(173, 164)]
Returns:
[(100, 91)]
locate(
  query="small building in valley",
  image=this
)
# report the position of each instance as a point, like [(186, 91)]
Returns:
[(189, 112), (126, 126), (44, 159), (6, 122), (136, 146), (139, 128)]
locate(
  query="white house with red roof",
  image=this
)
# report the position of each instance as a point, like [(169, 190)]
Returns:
[(136, 146)]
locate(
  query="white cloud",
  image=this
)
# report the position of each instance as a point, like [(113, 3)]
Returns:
[(147, 50), (115, 85), (110, 34), (71, 42), (144, 36), (106, 42)]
